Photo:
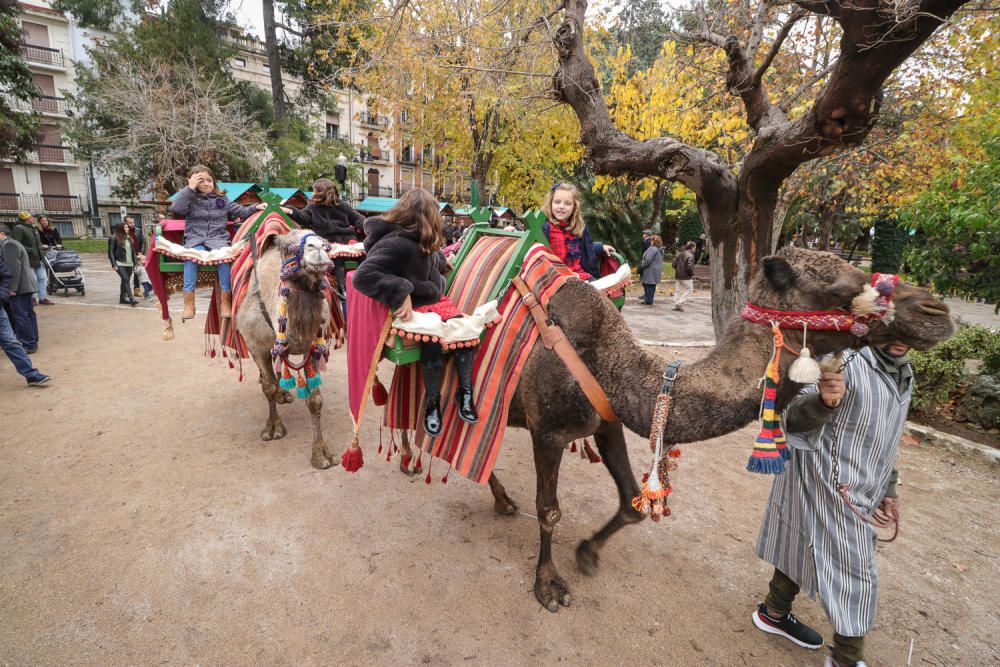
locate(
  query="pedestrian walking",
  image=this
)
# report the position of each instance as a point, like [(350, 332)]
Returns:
[(683, 275), (121, 252), (26, 233), (8, 339), (651, 269), (23, 287)]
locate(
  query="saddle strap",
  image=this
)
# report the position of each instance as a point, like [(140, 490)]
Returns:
[(553, 338)]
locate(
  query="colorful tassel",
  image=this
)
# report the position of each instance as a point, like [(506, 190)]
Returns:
[(353, 458), (766, 457), (379, 394), (652, 499)]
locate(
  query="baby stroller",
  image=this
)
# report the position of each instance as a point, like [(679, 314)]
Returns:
[(63, 269)]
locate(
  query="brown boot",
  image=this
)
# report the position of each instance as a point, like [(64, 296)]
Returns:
[(188, 306), (225, 304)]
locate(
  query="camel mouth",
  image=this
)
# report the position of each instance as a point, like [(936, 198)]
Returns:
[(921, 325)]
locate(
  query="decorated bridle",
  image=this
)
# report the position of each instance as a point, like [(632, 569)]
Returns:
[(308, 369), (873, 303)]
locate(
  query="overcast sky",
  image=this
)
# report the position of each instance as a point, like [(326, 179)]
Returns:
[(249, 15)]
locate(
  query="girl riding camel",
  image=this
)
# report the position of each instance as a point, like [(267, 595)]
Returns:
[(404, 269), (206, 211), (568, 235)]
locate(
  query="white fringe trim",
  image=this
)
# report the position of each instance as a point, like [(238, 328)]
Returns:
[(208, 257), (455, 330)]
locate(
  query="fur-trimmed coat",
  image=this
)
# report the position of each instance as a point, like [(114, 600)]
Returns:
[(394, 267)]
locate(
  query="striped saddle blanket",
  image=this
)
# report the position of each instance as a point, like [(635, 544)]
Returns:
[(472, 449)]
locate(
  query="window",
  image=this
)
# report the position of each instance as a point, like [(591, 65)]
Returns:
[(267, 68), (240, 62), (332, 131)]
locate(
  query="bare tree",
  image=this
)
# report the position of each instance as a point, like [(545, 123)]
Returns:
[(151, 121), (738, 209)]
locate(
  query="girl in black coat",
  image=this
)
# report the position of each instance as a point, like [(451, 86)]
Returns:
[(121, 252), (330, 217), (403, 268)]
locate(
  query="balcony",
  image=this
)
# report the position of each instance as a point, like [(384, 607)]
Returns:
[(57, 106), (383, 157), (379, 191), (51, 154), (43, 55), (336, 136), (11, 201), (373, 120)]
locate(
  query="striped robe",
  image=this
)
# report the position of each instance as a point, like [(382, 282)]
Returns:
[(808, 531)]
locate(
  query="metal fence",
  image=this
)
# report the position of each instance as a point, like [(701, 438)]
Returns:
[(43, 54), (12, 201)]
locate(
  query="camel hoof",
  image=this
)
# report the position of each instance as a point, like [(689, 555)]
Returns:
[(505, 506), (553, 593), (282, 397), (275, 431), (323, 459), (587, 558)]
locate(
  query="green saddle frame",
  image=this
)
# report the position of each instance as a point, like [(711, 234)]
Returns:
[(395, 349)]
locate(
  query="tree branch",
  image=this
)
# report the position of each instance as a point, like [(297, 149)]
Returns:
[(776, 46)]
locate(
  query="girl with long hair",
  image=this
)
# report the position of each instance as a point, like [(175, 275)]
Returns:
[(567, 233), (330, 217), (121, 252), (404, 269)]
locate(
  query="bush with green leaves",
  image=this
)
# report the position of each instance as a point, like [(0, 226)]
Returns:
[(939, 371)]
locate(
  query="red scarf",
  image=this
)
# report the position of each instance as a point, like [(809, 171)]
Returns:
[(566, 246)]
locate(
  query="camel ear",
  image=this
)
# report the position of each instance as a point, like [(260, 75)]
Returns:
[(282, 242), (779, 273)]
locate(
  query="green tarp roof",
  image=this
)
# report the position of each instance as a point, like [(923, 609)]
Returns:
[(287, 193), (376, 204)]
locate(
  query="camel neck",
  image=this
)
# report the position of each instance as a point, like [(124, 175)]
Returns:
[(712, 397)]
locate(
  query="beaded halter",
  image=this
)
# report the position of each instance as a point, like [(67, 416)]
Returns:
[(874, 303), (307, 371)]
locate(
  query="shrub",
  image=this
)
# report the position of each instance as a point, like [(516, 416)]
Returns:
[(938, 372)]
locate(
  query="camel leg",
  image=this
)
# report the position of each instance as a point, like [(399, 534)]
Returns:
[(321, 456), (550, 590), (273, 429), (406, 455), (611, 444), (502, 504)]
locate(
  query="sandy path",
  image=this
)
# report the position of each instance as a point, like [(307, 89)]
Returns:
[(143, 522)]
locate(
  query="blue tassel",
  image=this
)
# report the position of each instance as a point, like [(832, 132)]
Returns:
[(314, 381), (766, 466), (303, 392), (287, 383)]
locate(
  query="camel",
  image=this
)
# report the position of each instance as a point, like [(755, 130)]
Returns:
[(712, 397), (308, 313)]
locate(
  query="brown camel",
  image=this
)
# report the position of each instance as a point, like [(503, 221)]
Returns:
[(712, 397), (308, 313)]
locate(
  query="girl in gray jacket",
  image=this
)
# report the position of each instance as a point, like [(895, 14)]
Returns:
[(206, 211)]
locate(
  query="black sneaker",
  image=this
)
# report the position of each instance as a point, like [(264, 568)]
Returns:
[(789, 627), (38, 381)]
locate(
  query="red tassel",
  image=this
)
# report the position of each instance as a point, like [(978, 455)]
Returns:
[(418, 467), (427, 480), (593, 456), (231, 364), (444, 480), (379, 393), (353, 458), (573, 447), (674, 452), (406, 461)]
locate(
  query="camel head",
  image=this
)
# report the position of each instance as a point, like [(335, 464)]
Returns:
[(304, 258), (805, 280)]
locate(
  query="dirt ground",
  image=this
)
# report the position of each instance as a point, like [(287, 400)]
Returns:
[(142, 521)]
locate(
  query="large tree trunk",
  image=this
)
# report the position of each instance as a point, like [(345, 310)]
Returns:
[(274, 64), (738, 213)]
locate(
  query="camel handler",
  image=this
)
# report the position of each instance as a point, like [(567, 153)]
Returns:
[(842, 433)]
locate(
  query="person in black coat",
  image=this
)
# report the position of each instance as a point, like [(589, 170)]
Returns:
[(330, 217), (121, 253), (403, 269)]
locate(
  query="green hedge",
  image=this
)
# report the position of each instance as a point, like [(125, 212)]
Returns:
[(938, 372)]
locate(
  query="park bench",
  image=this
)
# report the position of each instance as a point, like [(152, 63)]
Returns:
[(702, 275)]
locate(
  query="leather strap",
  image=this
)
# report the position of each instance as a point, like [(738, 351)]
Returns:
[(553, 338)]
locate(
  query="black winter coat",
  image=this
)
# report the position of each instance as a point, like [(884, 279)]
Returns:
[(339, 223), (116, 251), (394, 267)]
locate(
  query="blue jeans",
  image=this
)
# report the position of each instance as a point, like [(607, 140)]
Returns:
[(649, 291), (22, 315), (191, 273), (15, 351), (43, 282)]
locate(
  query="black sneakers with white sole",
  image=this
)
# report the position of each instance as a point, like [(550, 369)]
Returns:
[(788, 627)]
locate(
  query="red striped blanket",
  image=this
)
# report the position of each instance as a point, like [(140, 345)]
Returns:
[(472, 449)]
